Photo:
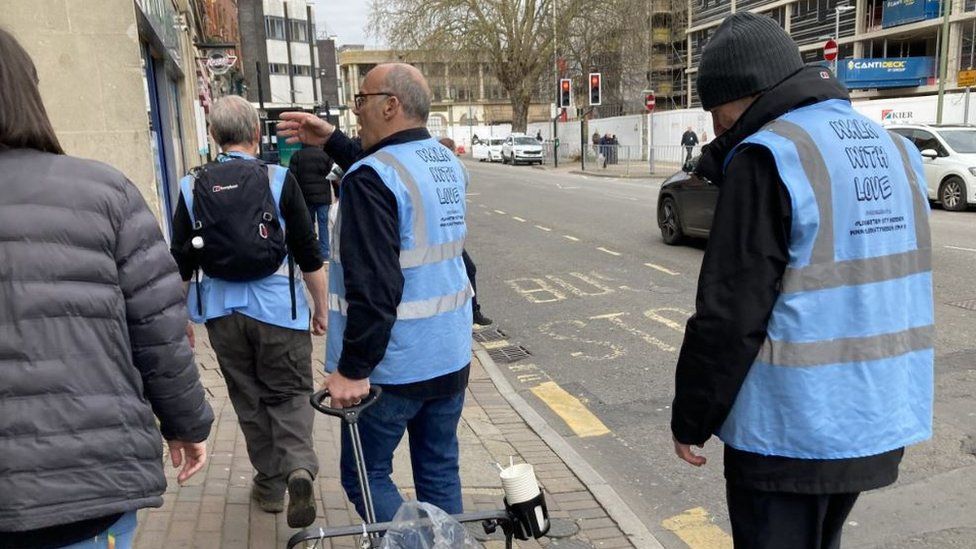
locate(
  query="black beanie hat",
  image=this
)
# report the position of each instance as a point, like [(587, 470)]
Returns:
[(749, 53)]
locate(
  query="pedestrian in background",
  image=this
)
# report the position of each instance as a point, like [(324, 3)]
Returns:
[(400, 300), (311, 168), (538, 136), (689, 140), (245, 234), (476, 315), (811, 350), (92, 339)]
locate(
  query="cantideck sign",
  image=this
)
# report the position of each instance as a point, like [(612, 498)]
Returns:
[(890, 72)]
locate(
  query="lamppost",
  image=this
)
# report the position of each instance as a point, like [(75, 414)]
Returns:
[(837, 11)]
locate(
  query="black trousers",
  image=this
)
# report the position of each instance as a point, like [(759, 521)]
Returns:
[(472, 272), (268, 370), (781, 520)]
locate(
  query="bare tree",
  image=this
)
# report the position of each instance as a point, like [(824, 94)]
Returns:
[(514, 37)]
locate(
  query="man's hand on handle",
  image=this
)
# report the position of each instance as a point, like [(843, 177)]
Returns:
[(346, 392), (304, 127), (190, 455), (684, 452)]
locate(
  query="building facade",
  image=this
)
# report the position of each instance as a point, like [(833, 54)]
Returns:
[(279, 46), (887, 48), (464, 92), (119, 81)]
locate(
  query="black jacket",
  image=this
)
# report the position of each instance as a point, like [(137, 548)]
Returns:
[(370, 238), (689, 139), (311, 166), (738, 285), (92, 345)]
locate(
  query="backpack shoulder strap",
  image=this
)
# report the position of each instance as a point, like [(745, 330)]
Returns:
[(276, 178), (187, 184)]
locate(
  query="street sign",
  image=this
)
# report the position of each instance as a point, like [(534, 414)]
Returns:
[(649, 102), (830, 50), (966, 79)]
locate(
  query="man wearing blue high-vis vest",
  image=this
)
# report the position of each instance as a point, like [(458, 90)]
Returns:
[(810, 354), (399, 295), (258, 324)]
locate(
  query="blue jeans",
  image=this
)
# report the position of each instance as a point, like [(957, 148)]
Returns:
[(122, 534), (432, 428), (320, 213)]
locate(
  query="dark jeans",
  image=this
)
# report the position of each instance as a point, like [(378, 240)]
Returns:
[(268, 370), (689, 150), (432, 428), (320, 214), (472, 274), (773, 520)]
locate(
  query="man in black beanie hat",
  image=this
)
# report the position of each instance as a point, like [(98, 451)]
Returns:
[(810, 353)]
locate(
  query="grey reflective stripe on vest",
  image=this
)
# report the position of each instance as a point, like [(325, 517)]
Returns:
[(417, 199), (823, 271), (853, 349), (854, 272), (414, 310), (816, 170), (431, 254), (923, 236)]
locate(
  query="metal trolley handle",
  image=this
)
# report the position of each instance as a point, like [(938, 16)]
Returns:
[(349, 415)]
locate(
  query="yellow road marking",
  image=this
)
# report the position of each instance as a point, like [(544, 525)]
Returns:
[(611, 252), (541, 228), (571, 410), (697, 530), (489, 345), (662, 269), (519, 219), (573, 238)]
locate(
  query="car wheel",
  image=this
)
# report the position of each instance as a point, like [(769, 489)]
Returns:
[(670, 224), (952, 194)]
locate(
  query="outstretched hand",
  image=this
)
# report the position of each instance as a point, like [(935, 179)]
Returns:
[(305, 128)]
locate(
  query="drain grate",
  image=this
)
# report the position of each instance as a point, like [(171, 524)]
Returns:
[(508, 354), (484, 336), (969, 304)]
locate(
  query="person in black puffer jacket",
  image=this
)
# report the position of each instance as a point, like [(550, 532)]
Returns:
[(92, 343), (311, 167)]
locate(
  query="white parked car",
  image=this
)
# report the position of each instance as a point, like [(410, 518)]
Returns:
[(488, 150), (949, 160), (520, 148)]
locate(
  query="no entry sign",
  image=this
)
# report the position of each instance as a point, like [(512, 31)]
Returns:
[(649, 102), (830, 50)]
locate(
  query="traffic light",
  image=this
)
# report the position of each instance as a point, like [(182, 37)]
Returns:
[(565, 92), (595, 88)]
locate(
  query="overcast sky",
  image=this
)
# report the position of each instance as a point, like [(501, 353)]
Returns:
[(345, 19)]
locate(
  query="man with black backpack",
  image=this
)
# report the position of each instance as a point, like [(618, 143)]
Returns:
[(239, 231)]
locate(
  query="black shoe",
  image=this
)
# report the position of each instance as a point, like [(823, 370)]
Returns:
[(267, 504), (301, 499), (481, 320)]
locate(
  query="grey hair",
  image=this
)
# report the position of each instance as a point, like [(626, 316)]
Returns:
[(233, 121), (413, 92)]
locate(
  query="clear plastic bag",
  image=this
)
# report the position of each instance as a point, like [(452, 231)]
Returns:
[(443, 532)]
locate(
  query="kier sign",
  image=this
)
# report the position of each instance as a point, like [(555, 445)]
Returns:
[(830, 50)]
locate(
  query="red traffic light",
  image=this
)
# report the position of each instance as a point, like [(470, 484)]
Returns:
[(565, 84), (595, 80), (595, 89)]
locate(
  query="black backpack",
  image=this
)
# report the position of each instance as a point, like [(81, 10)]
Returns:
[(237, 235)]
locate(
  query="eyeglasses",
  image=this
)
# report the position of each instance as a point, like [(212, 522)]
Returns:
[(360, 98)]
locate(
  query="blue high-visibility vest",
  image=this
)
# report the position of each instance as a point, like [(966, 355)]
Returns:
[(432, 333), (268, 299), (847, 366)]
